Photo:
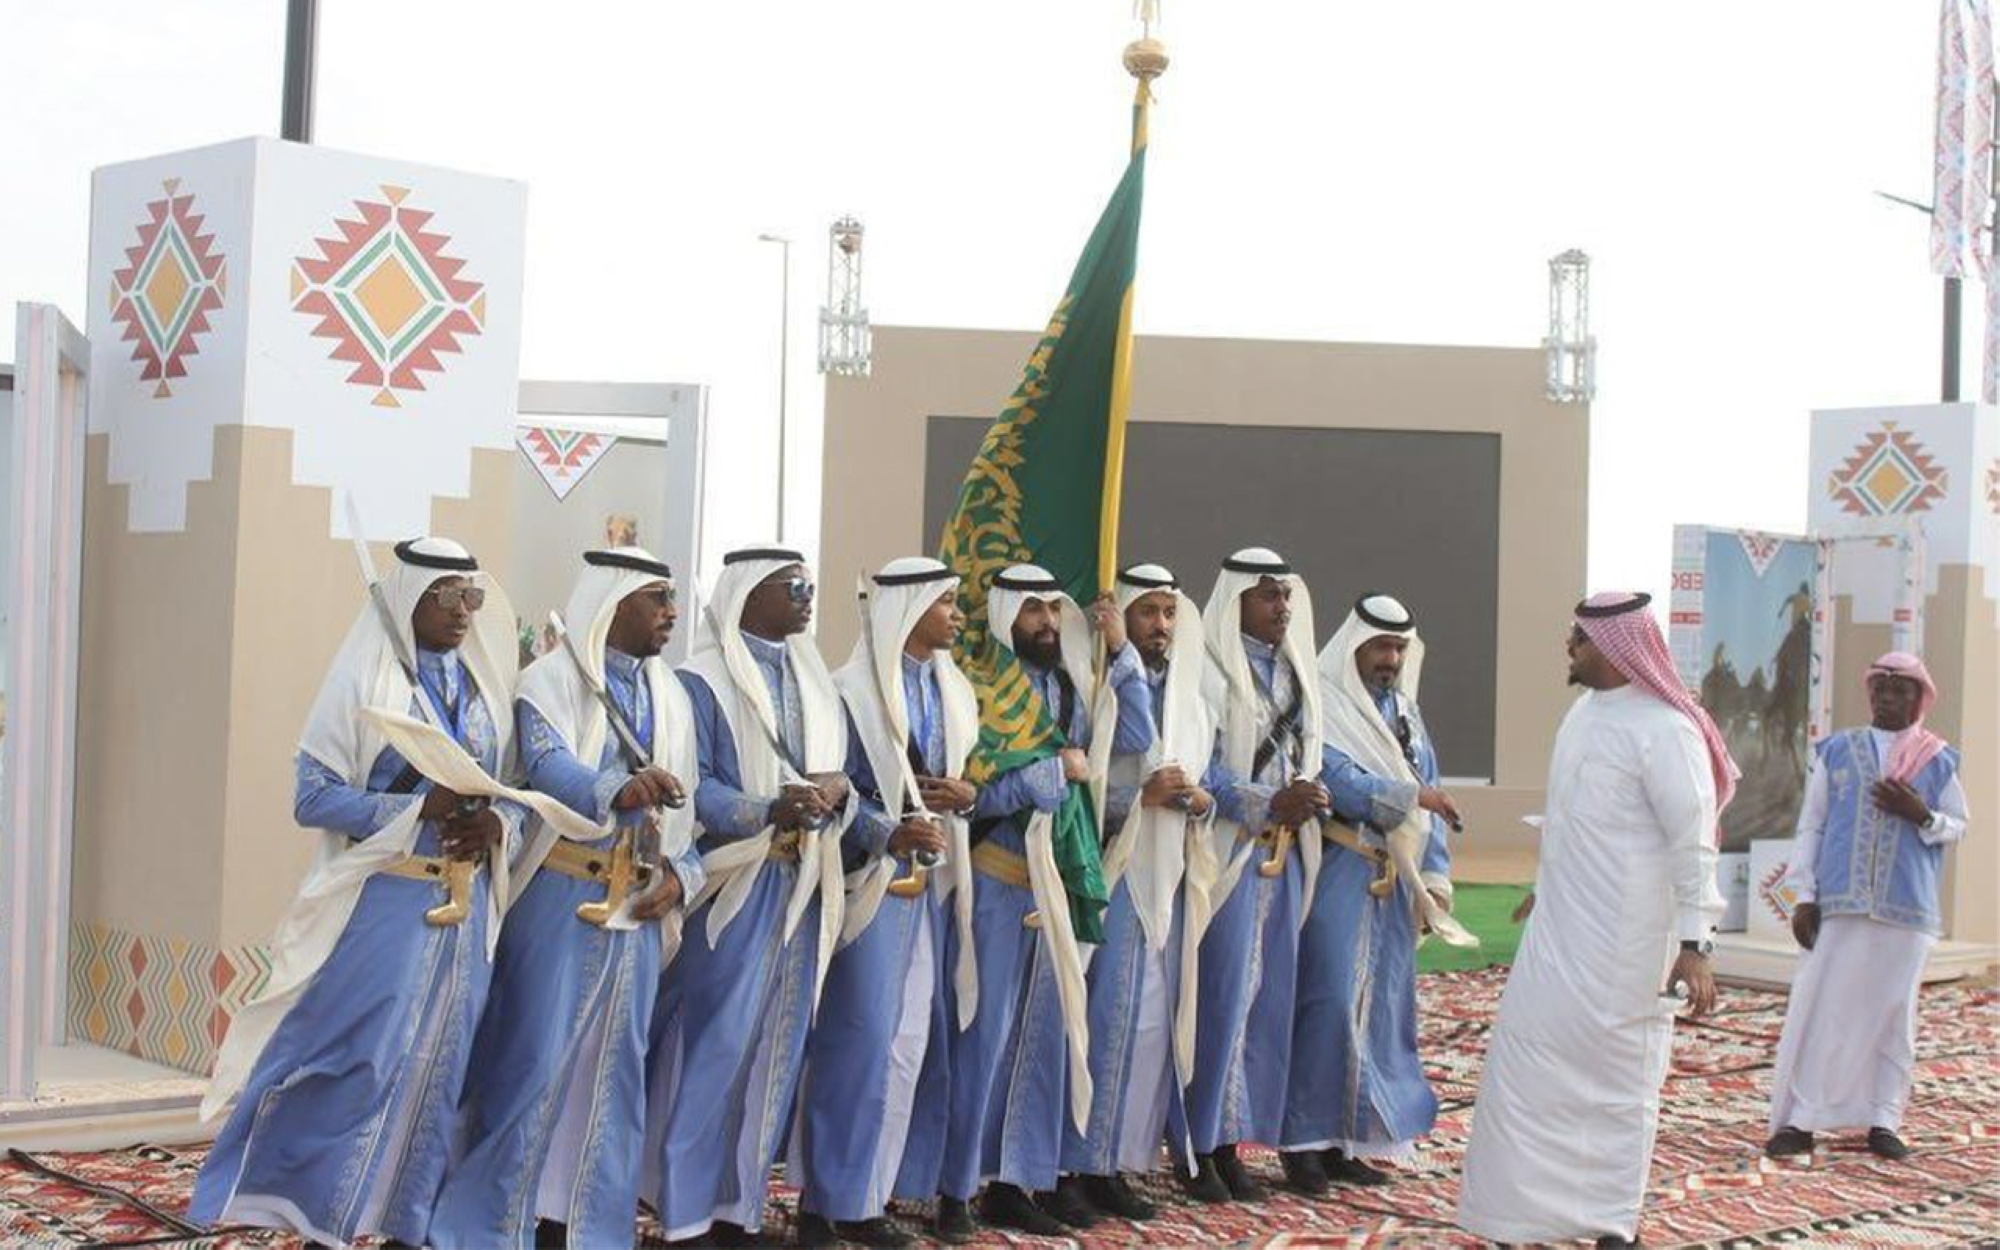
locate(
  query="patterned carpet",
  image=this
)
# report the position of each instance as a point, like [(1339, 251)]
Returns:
[(1710, 1185)]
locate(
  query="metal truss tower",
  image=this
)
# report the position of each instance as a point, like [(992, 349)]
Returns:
[(1571, 350), (844, 342)]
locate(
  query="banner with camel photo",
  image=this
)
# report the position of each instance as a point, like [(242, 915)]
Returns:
[(1742, 633)]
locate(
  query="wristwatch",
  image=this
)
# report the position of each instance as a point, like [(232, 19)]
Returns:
[(1929, 822), (1702, 947)]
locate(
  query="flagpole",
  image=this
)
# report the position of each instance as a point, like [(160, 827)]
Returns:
[(1145, 60)]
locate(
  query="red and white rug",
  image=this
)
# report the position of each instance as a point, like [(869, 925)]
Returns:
[(1711, 1185)]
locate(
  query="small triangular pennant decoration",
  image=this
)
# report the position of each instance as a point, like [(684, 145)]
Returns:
[(562, 457)]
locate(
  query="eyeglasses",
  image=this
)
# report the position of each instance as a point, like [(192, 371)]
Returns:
[(658, 596), (450, 597), (799, 589)]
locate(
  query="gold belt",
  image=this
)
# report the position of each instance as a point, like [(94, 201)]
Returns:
[(1001, 864), (785, 845), (584, 863), (422, 868)]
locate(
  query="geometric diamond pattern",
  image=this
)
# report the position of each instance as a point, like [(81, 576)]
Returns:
[(388, 296), (1889, 473), (172, 280), (161, 999), (562, 457)]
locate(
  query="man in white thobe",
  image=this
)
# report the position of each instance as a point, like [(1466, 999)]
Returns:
[(1881, 805), (1562, 1134)]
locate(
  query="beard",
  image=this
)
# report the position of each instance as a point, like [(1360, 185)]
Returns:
[(1043, 650)]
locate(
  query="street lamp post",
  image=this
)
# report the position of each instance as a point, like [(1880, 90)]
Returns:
[(784, 358)]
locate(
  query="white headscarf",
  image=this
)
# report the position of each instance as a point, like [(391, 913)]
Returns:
[(366, 676), (871, 682), (1163, 850), (722, 659), (1353, 723), (1231, 689), (554, 687), (1004, 603), (365, 672), (1003, 606)]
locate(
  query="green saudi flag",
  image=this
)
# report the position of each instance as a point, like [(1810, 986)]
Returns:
[(1044, 490)]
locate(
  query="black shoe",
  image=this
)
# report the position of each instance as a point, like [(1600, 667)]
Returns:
[(1009, 1206), (954, 1226), (1068, 1203), (1342, 1170), (1242, 1186), (1111, 1195), (880, 1231), (1612, 1241), (723, 1233), (1789, 1141), (1205, 1184), (1884, 1143), (1304, 1172), (816, 1230), (549, 1235)]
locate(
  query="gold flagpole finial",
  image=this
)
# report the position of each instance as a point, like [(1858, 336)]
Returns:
[(1146, 57)]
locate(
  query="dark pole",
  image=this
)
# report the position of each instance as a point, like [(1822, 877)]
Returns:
[(301, 47), (1952, 288)]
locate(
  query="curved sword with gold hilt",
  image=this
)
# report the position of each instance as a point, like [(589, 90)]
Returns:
[(1348, 837), (1281, 843), (457, 872), (636, 861)]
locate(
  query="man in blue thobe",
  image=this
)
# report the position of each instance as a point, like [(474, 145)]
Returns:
[(1357, 1087), (883, 1023), (1141, 992), (1266, 839), (729, 1033), (1009, 1069), (346, 1071), (555, 1101)]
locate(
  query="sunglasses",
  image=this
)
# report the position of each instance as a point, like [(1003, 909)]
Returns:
[(451, 597), (658, 596), (799, 589)]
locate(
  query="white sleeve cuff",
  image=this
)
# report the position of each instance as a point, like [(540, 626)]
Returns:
[(1694, 924), (1943, 830)]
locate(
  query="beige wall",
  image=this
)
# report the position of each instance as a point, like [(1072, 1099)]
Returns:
[(202, 652), (152, 710), (874, 466)]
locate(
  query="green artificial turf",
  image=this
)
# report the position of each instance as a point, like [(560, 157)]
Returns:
[(1487, 911)]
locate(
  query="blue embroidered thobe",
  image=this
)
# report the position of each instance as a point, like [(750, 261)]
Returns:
[(344, 1126), (1009, 1087), (1133, 992), (555, 1101), (1249, 958), (882, 1010), (1357, 1083), (729, 1032)]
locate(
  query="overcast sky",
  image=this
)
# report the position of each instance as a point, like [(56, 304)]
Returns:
[(1348, 170)]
